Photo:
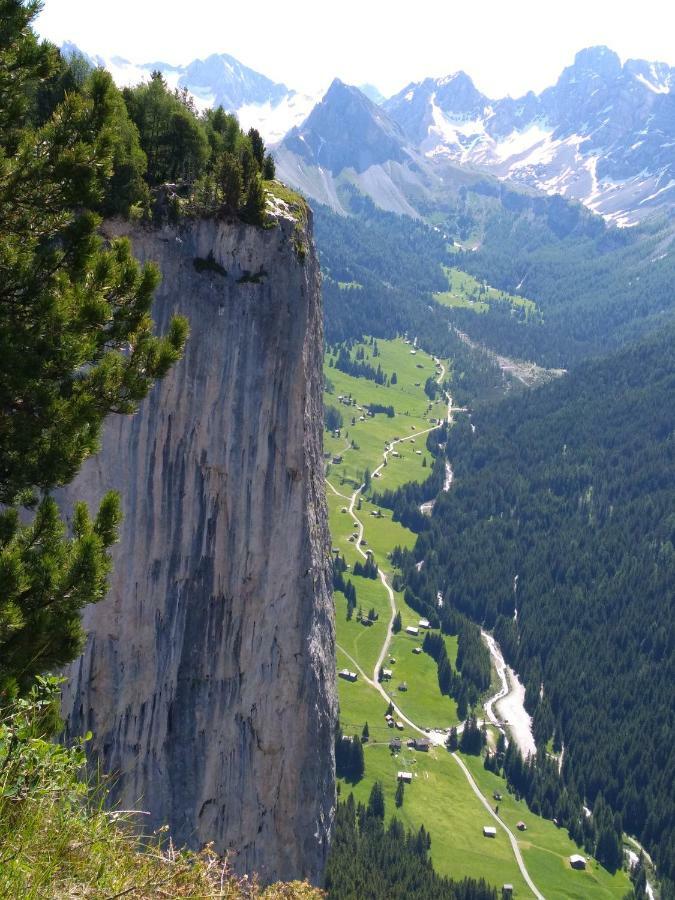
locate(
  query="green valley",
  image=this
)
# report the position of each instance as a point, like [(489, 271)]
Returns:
[(384, 451)]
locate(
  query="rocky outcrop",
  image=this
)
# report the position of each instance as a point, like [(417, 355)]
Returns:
[(208, 674)]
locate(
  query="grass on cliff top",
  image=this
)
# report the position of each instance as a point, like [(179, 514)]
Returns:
[(298, 208), (294, 200)]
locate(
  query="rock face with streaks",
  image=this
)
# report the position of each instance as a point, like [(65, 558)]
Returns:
[(208, 674)]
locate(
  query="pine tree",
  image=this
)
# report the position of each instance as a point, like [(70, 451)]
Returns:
[(398, 797), (231, 183), (452, 742), (257, 146), (253, 210), (76, 344), (375, 806), (269, 168), (358, 764), (396, 623), (365, 734)]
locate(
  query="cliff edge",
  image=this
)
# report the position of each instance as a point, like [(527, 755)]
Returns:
[(208, 677)]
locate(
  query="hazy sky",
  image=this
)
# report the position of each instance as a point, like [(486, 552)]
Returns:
[(507, 47)]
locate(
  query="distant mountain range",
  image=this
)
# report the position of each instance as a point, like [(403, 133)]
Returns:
[(604, 134)]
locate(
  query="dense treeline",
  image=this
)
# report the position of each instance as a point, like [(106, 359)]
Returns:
[(349, 759), (563, 507), (344, 585), (367, 569), (357, 368), (372, 861), (157, 137)]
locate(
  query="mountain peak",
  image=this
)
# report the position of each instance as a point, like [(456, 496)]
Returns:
[(599, 60), (347, 130), (458, 79)]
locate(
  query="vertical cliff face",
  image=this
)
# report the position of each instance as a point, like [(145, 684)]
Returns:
[(208, 675)]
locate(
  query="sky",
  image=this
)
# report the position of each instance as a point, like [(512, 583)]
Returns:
[(506, 47)]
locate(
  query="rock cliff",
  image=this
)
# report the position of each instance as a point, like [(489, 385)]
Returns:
[(208, 674)]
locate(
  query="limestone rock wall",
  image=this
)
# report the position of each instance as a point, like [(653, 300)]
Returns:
[(208, 675)]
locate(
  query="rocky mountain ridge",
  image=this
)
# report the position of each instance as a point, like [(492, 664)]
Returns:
[(604, 134)]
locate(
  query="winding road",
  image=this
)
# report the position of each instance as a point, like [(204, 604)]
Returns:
[(434, 737)]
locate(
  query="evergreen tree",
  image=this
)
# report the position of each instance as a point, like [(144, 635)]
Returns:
[(452, 742), (253, 211), (358, 763), (398, 797), (231, 182), (257, 146), (375, 806), (396, 623), (365, 734), (76, 344), (269, 168)]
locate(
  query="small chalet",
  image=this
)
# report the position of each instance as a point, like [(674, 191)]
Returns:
[(403, 686), (347, 675), (577, 861), (521, 826), (386, 674), (410, 743), (507, 891), (405, 776), (411, 629), (395, 745), (424, 623), (496, 795), (417, 649), (337, 459), (399, 725), (489, 831), (422, 744)]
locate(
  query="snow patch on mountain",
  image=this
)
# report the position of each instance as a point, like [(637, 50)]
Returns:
[(656, 88), (524, 146)]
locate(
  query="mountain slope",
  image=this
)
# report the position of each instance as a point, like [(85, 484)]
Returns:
[(559, 532), (603, 134), (347, 140)]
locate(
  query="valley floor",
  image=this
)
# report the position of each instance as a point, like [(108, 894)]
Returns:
[(450, 794)]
